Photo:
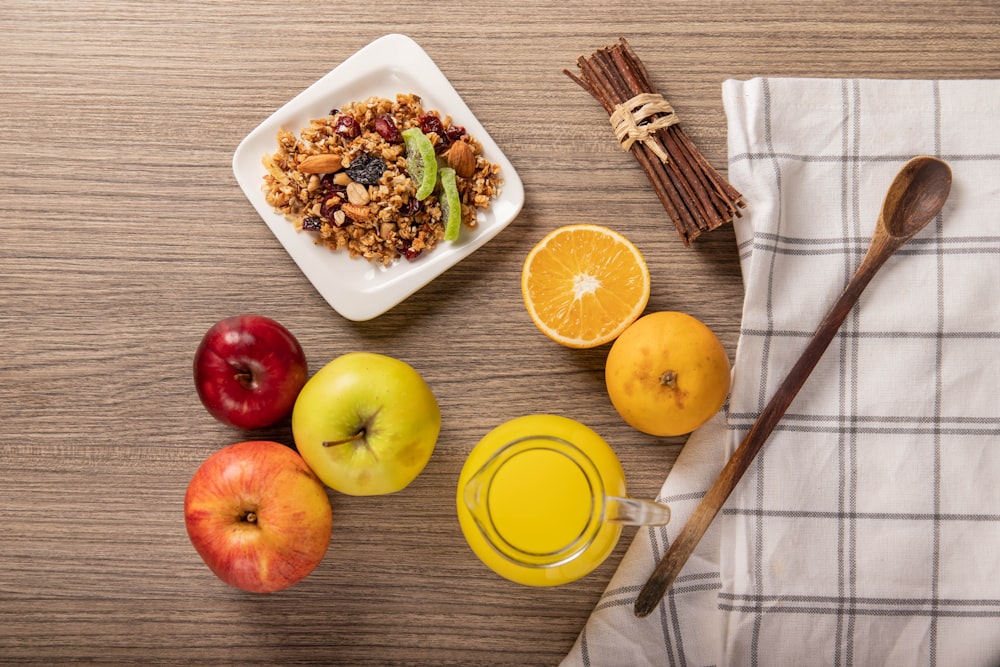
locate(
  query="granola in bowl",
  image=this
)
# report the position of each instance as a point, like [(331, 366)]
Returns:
[(345, 179)]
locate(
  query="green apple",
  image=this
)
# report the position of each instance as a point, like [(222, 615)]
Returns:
[(366, 424)]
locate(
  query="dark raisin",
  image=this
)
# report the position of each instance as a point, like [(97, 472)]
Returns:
[(455, 132), (413, 206), (346, 127), (385, 125), (312, 223), (366, 169)]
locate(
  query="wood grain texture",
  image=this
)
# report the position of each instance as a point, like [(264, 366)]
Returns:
[(123, 237)]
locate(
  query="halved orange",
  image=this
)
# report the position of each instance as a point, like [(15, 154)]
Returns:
[(584, 284)]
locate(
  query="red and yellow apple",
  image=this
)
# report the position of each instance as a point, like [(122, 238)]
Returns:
[(258, 516), (248, 370), (366, 424)]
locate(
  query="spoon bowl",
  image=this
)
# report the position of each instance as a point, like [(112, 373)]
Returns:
[(915, 197)]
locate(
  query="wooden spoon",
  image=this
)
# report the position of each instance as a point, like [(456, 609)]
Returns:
[(914, 198)]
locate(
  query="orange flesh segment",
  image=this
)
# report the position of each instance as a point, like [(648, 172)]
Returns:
[(584, 284)]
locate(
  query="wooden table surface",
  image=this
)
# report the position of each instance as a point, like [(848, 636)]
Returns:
[(123, 237)]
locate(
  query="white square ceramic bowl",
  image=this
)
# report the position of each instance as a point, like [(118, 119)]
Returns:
[(356, 288)]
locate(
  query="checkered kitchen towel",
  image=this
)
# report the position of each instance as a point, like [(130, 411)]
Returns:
[(867, 532)]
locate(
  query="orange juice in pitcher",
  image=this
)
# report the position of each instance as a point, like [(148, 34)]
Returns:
[(541, 500)]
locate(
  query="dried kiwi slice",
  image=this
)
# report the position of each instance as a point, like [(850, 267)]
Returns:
[(421, 163), (451, 204)]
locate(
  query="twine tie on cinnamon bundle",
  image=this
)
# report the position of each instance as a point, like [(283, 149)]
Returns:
[(695, 196), (628, 121)]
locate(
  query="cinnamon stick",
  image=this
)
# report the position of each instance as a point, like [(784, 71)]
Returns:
[(694, 195), (664, 188)]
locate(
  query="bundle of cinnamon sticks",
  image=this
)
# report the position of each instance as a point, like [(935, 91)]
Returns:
[(695, 196)]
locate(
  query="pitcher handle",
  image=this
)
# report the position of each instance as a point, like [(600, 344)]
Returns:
[(632, 512)]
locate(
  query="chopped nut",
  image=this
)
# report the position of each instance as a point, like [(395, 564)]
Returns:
[(460, 158), (274, 170), (341, 178), (356, 211), (357, 194), (320, 164), (385, 229)]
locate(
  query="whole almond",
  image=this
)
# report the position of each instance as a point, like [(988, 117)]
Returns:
[(320, 164), (461, 158)]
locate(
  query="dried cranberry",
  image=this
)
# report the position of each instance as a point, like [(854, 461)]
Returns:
[(455, 132), (330, 206), (385, 125), (431, 123), (366, 169), (408, 252), (312, 223), (413, 206), (346, 127), (331, 187)]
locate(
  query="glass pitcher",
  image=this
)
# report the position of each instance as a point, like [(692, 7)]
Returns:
[(541, 500)]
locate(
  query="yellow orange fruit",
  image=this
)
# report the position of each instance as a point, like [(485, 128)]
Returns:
[(584, 284), (667, 374)]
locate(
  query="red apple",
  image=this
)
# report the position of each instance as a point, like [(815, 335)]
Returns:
[(258, 516), (248, 371)]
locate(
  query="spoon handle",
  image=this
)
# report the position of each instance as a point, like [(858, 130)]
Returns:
[(681, 548)]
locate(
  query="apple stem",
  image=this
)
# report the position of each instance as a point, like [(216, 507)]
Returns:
[(244, 377), (249, 517), (357, 436)]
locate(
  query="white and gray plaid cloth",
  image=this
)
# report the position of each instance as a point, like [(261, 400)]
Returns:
[(867, 532)]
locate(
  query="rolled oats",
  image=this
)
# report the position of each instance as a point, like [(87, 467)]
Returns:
[(391, 223)]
